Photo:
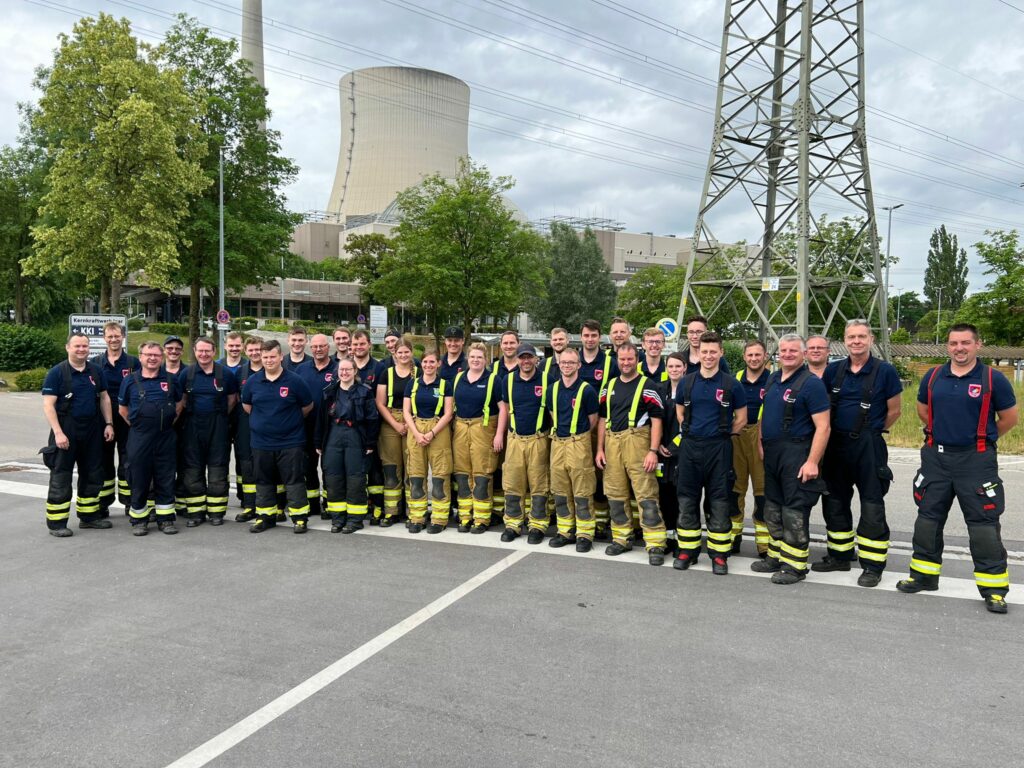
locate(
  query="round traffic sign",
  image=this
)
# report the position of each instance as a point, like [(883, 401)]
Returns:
[(361, 319), (223, 317), (668, 326)]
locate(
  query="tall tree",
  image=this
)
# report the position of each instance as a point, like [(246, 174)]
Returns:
[(233, 115), (649, 295), (908, 308), (459, 251), (946, 270), (366, 256), (998, 311), (580, 285), (121, 135)]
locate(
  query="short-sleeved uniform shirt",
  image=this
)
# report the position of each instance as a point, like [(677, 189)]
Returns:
[(811, 399), (599, 371), (694, 365), (706, 397), (657, 374), (471, 396), (650, 406), (956, 404), (504, 372), (276, 421), (369, 373), (233, 368), (847, 413), (291, 365), (83, 389), (448, 371), (114, 374), (394, 385), (164, 387), (528, 402), (563, 400), (754, 391), (208, 394), (428, 399)]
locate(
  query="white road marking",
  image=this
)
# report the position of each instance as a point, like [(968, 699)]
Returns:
[(221, 743), (23, 489)]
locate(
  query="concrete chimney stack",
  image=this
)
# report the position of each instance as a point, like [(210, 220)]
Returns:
[(252, 37)]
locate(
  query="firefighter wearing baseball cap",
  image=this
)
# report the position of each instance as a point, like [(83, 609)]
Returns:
[(627, 450), (453, 360), (150, 401), (574, 411), (747, 462), (77, 408), (478, 438), (116, 365), (428, 412), (966, 406), (525, 472), (794, 430), (711, 407), (865, 396)]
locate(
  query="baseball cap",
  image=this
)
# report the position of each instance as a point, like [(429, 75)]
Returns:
[(526, 349), (392, 332), (169, 339), (454, 332)]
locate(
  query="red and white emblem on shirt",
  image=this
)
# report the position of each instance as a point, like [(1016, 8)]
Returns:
[(598, 375), (91, 381), (328, 377), (284, 391), (572, 403), (974, 390), (538, 391), (762, 393), (787, 396), (124, 373), (163, 385), (719, 394)]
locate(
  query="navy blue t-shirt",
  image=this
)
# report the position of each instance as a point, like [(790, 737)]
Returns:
[(233, 368), (956, 404), (207, 392), (470, 396), (694, 365), (847, 414), (811, 399), (657, 374), (316, 380), (528, 401), (448, 371), (114, 374), (158, 390), (276, 420), (369, 374), (83, 389), (706, 401), (596, 372), (754, 392), (290, 365), (503, 372), (427, 397), (562, 400)]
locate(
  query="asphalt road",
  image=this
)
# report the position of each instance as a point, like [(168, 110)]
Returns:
[(216, 647)]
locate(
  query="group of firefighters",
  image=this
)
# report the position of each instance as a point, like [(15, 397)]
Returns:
[(624, 445)]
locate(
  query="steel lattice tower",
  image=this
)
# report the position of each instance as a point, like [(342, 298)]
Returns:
[(789, 146)]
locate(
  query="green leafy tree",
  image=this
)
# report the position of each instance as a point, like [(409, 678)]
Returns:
[(233, 115), (946, 271), (909, 308), (459, 251), (998, 311), (122, 137), (900, 336), (580, 285), (926, 326), (366, 256), (649, 295)]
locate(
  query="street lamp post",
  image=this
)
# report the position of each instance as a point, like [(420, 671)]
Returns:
[(220, 332), (888, 245), (282, 288), (899, 296)]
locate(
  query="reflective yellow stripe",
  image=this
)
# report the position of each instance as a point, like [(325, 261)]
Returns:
[(923, 566), (58, 515), (511, 405), (992, 579), (248, 488), (840, 535), (575, 422), (863, 542), (633, 408)]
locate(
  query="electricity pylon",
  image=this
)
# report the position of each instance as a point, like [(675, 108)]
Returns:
[(789, 146)]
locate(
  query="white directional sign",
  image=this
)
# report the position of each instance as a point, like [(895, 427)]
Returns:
[(378, 323), (92, 326)]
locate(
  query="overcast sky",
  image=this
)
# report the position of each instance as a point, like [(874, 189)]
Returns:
[(951, 67)]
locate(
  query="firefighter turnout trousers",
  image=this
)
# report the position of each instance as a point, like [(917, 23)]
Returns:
[(115, 474), (205, 468), (788, 502), (625, 452), (861, 462), (972, 479), (244, 467), (435, 458), (475, 462), (151, 461), (705, 465), (345, 466), (391, 447), (601, 518), (312, 469), (85, 449), (573, 482), (748, 466), (525, 474), (282, 467)]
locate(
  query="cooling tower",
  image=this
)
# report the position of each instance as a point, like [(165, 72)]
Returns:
[(398, 124)]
